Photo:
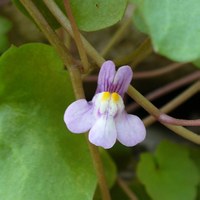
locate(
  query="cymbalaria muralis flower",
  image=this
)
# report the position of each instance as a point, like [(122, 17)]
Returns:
[(105, 115)]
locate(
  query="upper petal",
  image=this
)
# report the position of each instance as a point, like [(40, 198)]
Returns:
[(130, 129), (106, 76), (78, 116), (103, 133), (122, 80)]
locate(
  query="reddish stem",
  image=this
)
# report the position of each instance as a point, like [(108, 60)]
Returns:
[(179, 122), (158, 72)]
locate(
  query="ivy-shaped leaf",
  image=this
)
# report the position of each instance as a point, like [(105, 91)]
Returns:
[(173, 27), (39, 158), (169, 173)]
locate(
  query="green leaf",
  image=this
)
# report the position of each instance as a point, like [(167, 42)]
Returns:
[(39, 158), (174, 28), (5, 26), (169, 173), (90, 15)]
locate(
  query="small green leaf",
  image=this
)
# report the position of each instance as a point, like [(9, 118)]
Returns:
[(174, 28), (39, 158), (5, 26), (169, 174), (92, 15)]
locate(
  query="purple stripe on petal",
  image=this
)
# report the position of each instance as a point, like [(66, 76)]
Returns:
[(130, 129), (122, 80), (78, 116), (103, 133), (106, 76)]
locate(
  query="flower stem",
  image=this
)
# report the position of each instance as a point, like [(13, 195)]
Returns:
[(77, 37), (149, 107), (76, 82)]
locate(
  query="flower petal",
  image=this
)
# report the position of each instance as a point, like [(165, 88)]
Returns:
[(103, 133), (130, 129), (78, 116), (122, 80), (106, 76)]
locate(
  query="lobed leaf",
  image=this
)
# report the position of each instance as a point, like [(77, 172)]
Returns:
[(169, 173)]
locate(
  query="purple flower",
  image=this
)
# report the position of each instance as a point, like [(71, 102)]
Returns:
[(105, 115)]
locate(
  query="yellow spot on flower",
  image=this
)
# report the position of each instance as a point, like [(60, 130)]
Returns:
[(105, 96), (115, 97)]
